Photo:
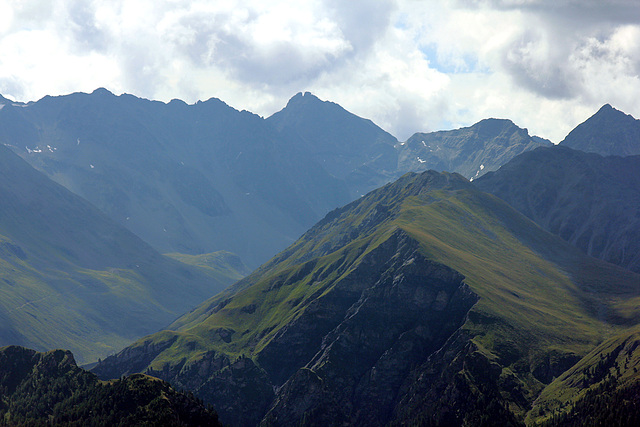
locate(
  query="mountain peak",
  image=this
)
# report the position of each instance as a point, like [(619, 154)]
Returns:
[(102, 92), (494, 126), (608, 110), (609, 132), (471, 151), (303, 98)]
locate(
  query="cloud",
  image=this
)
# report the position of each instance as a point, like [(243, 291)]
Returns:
[(409, 65)]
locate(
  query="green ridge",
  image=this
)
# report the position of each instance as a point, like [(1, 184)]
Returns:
[(538, 295)]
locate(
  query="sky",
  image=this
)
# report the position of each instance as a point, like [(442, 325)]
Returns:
[(408, 65)]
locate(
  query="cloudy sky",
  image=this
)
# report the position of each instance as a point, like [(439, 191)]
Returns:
[(409, 65)]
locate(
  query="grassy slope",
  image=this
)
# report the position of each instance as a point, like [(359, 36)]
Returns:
[(78, 309), (221, 265), (616, 360), (69, 276), (530, 304)]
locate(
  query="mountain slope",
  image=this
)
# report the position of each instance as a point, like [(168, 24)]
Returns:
[(202, 178), (347, 146), (71, 276), (224, 266), (185, 178), (48, 388), (424, 295), (601, 389), (591, 201), (471, 151), (609, 132)]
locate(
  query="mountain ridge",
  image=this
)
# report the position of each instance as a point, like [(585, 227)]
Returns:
[(186, 178), (609, 132), (313, 322), (192, 178), (471, 151), (349, 147)]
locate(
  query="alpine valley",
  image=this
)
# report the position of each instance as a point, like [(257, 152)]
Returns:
[(73, 278), (478, 276)]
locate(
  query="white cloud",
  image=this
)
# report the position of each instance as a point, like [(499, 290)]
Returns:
[(409, 65)]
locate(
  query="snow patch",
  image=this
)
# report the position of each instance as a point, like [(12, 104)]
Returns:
[(421, 161), (91, 166), (481, 167), (35, 150), (424, 143)]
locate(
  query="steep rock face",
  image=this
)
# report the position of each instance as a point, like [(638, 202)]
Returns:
[(590, 201), (240, 390), (609, 132), (360, 338), (471, 151), (405, 312), (460, 385)]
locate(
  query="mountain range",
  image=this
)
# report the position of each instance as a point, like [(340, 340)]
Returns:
[(424, 300), (201, 178), (416, 298), (471, 151)]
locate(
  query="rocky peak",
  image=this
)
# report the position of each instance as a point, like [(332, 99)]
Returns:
[(609, 132)]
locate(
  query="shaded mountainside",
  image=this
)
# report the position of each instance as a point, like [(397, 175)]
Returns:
[(72, 277), (347, 146), (609, 132), (601, 389), (590, 201), (426, 301), (202, 178), (185, 178), (48, 388), (471, 151)]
